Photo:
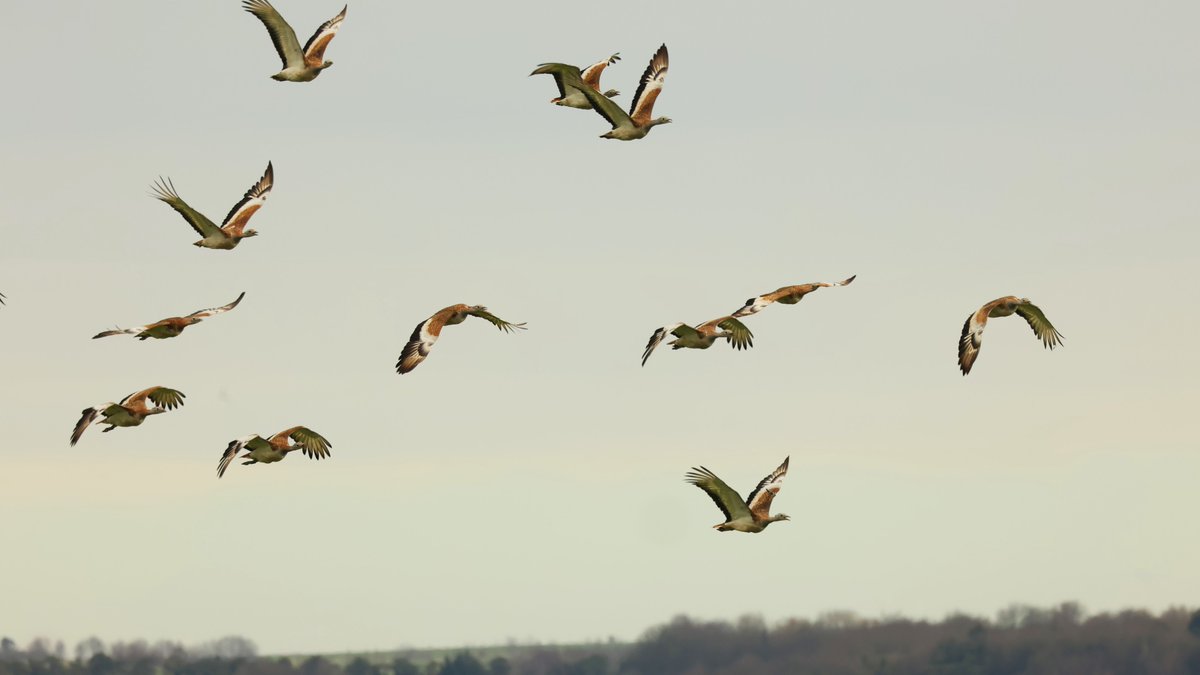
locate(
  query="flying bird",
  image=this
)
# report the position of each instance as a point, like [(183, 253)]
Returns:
[(702, 336), (275, 448), (788, 295), (972, 332), (570, 96), (233, 228), (752, 515), (299, 65), (131, 411), (427, 332), (636, 124), (169, 328)]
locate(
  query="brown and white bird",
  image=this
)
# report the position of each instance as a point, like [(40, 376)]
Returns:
[(275, 448), (427, 332), (752, 515), (570, 96), (972, 333), (788, 295), (169, 328), (233, 228), (299, 65), (131, 411), (702, 336)]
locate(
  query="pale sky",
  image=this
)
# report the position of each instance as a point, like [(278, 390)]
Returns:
[(530, 486)]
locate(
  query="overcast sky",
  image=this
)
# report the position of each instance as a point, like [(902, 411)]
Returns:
[(529, 486)]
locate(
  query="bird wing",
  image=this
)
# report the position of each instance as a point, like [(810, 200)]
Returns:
[(314, 49), (726, 498), (759, 501), (591, 74), (1, 298), (647, 92), (605, 106), (88, 416), (125, 331), (497, 321), (164, 190), (1041, 326), (742, 338), (561, 72), (231, 451), (167, 399), (205, 313), (421, 341), (311, 443), (676, 329), (972, 338), (252, 201), (281, 33), (790, 295)]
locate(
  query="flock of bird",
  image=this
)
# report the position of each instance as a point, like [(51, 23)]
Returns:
[(578, 89)]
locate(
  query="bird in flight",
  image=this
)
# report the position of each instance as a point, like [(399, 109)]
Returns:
[(299, 65), (638, 122), (972, 333), (169, 328), (426, 333), (702, 336), (275, 448), (233, 228), (788, 295), (752, 515), (131, 411), (570, 96)]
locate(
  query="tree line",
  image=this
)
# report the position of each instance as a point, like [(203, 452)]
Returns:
[(1021, 640)]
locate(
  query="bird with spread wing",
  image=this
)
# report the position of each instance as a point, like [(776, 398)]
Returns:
[(173, 326), (569, 95), (299, 64), (276, 448), (971, 339), (702, 336), (639, 121), (131, 411), (427, 332), (788, 295), (752, 515), (233, 229)]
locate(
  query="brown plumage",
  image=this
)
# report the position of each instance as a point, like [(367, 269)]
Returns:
[(170, 327), (130, 412), (275, 448), (426, 333), (971, 339), (788, 295), (751, 515)]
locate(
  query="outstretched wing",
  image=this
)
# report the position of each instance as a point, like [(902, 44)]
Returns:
[(231, 451), (167, 399), (1, 298), (561, 72), (726, 498), (89, 415), (1041, 326), (123, 331), (310, 442), (651, 85), (252, 201), (605, 106), (421, 341), (788, 295), (164, 190), (676, 329), (591, 74), (759, 501), (281, 33), (314, 49), (496, 321), (741, 337), (205, 313), (972, 338)]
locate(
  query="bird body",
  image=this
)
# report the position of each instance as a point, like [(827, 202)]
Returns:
[(788, 295), (233, 228), (299, 64), (971, 339), (130, 412), (426, 333), (170, 327), (625, 126), (753, 514), (261, 450), (702, 336)]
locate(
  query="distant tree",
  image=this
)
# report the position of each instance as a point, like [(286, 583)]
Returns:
[(88, 648), (499, 666), (8, 648), (361, 666), (101, 664), (463, 663), (1194, 625), (318, 665), (402, 666)]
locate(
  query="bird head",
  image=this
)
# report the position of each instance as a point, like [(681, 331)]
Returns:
[(326, 65), (250, 233), (479, 308), (661, 120), (557, 100), (780, 516)]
